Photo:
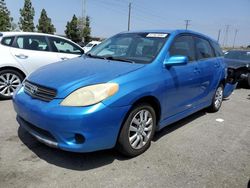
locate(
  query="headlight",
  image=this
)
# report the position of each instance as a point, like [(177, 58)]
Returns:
[(90, 95)]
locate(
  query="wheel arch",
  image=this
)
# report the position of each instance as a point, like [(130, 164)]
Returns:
[(13, 68), (223, 82), (152, 101)]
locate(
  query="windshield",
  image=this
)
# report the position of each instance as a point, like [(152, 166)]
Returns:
[(133, 47), (89, 45), (240, 55)]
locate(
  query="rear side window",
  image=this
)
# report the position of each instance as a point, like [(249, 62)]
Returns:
[(7, 41), (184, 46), (217, 49), (203, 48), (63, 46), (37, 43)]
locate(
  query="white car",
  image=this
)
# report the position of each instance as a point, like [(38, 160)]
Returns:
[(90, 45), (21, 53)]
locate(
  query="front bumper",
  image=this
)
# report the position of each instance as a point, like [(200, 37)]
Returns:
[(59, 126)]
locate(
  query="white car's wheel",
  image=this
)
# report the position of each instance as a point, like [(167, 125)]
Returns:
[(9, 82)]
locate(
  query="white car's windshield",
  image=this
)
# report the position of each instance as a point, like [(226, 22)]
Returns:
[(131, 47), (89, 45)]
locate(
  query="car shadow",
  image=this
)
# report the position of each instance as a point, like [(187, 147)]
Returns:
[(88, 161), (248, 97), (69, 160), (172, 127)]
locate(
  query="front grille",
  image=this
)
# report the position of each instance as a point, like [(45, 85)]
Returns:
[(39, 92)]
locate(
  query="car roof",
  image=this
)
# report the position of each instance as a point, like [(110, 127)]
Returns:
[(3, 34), (169, 31)]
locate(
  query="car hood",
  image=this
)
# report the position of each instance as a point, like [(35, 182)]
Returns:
[(78, 72), (235, 63)]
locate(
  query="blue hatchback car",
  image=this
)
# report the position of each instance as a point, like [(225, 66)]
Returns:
[(122, 91)]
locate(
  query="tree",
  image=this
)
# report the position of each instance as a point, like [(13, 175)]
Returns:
[(84, 26), (5, 19), (44, 24), (26, 22), (72, 31), (86, 30)]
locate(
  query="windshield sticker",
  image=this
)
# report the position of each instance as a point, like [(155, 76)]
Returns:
[(157, 35)]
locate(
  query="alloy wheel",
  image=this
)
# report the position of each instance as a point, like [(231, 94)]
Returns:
[(9, 82), (140, 129), (218, 97)]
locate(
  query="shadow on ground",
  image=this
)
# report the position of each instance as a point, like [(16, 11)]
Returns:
[(172, 127), (87, 161), (69, 160)]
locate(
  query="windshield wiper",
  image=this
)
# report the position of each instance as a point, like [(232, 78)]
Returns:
[(118, 59), (94, 56)]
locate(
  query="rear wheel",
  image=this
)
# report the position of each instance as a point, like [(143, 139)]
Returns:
[(217, 99), (9, 82), (248, 80), (137, 131)]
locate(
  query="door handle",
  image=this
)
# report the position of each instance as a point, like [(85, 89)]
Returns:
[(216, 64), (197, 70), (64, 58), (22, 56)]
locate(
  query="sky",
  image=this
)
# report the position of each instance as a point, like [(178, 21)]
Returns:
[(109, 17)]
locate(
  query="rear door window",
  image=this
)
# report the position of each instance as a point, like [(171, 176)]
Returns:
[(183, 46), (64, 46), (203, 48), (37, 43)]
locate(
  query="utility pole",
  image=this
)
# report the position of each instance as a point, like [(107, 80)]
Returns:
[(218, 39), (129, 15), (235, 34), (187, 23), (83, 15)]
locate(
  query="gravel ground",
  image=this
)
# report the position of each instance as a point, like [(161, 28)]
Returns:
[(199, 151)]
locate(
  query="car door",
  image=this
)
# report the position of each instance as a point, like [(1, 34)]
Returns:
[(32, 52), (210, 67), (182, 81), (64, 48)]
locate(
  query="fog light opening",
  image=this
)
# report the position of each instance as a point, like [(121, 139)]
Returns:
[(79, 138)]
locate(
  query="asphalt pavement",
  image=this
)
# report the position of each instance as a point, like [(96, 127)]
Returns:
[(203, 150)]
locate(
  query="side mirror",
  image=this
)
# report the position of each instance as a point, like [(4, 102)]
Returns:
[(176, 60)]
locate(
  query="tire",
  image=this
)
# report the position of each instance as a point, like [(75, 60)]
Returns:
[(217, 99), (9, 82), (248, 80), (137, 131)]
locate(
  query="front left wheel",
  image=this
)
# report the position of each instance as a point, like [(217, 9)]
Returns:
[(137, 131), (9, 82)]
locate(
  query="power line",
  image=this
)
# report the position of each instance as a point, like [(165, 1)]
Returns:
[(121, 11), (187, 23)]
